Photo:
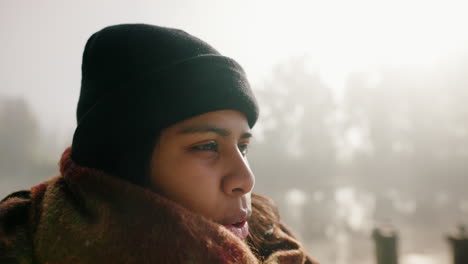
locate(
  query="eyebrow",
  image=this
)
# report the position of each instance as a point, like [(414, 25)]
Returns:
[(198, 129)]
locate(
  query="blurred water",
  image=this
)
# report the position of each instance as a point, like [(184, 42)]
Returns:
[(347, 236)]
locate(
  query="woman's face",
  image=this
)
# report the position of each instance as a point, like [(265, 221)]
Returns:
[(201, 163)]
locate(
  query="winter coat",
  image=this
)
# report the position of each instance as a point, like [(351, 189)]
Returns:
[(85, 216)]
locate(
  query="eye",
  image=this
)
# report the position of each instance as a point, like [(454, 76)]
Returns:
[(243, 148), (210, 146)]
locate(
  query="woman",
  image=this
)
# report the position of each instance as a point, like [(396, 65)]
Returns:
[(157, 171)]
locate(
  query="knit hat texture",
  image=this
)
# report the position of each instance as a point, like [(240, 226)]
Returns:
[(138, 79)]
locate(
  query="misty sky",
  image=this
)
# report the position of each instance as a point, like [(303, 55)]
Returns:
[(42, 41)]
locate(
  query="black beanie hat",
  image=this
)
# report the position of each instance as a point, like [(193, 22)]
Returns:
[(138, 79)]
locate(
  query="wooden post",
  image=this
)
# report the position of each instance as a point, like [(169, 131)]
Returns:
[(386, 245), (459, 244)]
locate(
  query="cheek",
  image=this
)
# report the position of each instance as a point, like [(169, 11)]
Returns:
[(184, 171), (190, 182)]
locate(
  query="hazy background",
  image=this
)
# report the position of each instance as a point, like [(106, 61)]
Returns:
[(364, 115)]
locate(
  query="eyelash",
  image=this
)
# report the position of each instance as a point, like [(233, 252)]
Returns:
[(244, 148), (210, 146), (213, 146)]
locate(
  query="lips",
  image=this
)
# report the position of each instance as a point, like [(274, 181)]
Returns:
[(240, 229)]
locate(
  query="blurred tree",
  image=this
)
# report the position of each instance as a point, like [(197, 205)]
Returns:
[(297, 150), (18, 136), (416, 123), (22, 160)]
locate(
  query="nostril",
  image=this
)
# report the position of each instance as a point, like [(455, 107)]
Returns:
[(236, 190)]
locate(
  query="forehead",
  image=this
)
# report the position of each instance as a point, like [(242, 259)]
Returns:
[(223, 122)]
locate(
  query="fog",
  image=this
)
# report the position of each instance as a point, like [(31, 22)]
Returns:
[(393, 152), (363, 123)]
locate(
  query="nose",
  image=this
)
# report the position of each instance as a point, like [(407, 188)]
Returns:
[(239, 178)]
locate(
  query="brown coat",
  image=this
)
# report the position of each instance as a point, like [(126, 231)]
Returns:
[(85, 216)]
